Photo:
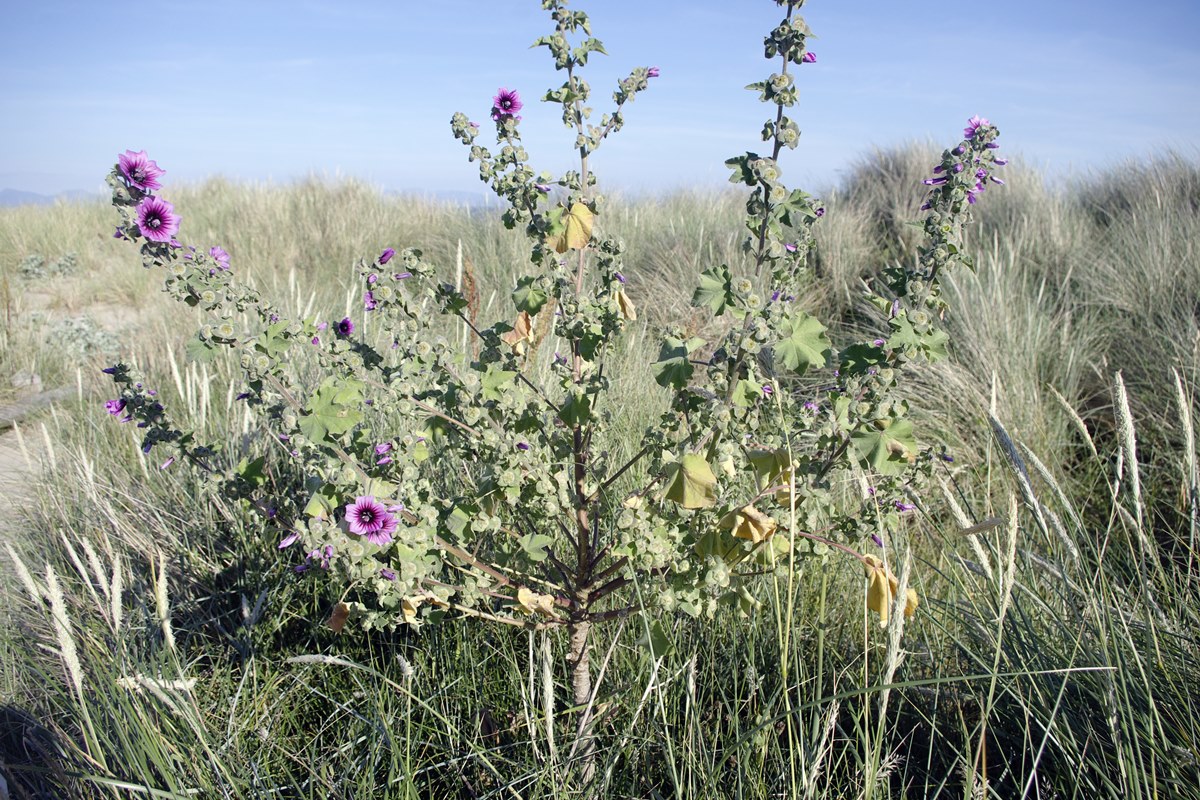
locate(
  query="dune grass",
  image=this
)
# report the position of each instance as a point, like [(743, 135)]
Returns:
[(157, 644)]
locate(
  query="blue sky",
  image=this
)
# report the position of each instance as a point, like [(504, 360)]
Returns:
[(263, 90)]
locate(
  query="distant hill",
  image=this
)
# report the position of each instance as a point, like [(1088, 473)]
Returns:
[(17, 197)]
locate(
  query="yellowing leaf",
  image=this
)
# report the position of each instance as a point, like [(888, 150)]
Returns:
[(882, 586), (749, 523), (576, 230), (531, 602), (337, 618), (691, 482), (522, 332), (408, 607), (625, 305)]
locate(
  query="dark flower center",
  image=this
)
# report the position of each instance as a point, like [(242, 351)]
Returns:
[(138, 174), (153, 222)]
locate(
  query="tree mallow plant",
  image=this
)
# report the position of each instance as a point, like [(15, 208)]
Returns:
[(445, 482)]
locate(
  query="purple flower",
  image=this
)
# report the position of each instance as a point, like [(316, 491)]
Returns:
[(114, 407), (506, 104), (879, 342), (119, 234), (373, 278), (620, 278), (875, 538), (809, 405), (522, 445), (903, 506), (168, 462), (997, 181), (157, 220), (322, 554), (1000, 162), (791, 247), (809, 58), (344, 328), (289, 540), (369, 301), (820, 212), (544, 188), (399, 276), (139, 170), (386, 255), (974, 124), (652, 72), (220, 256), (933, 181), (959, 168), (767, 390), (382, 448), (387, 574), (367, 517)]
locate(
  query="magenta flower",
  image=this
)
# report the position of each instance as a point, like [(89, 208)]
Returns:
[(344, 328), (114, 407), (387, 574), (156, 219), (369, 301), (139, 170), (974, 124), (653, 72), (220, 256), (289, 540), (506, 104), (386, 255), (366, 516), (809, 58)]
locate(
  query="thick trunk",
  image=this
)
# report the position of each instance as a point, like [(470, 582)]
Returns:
[(581, 686)]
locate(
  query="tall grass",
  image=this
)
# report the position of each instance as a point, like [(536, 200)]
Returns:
[(156, 644)]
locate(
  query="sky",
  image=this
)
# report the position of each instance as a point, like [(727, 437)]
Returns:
[(267, 91)]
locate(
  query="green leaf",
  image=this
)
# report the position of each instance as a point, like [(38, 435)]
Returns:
[(804, 343), (252, 471), (272, 341), (674, 367), (323, 503), (747, 393), (577, 410), (333, 409), (691, 482), (715, 290), (200, 350), (655, 639), (494, 380), (535, 544), (886, 450), (529, 296), (857, 359), (904, 336)]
